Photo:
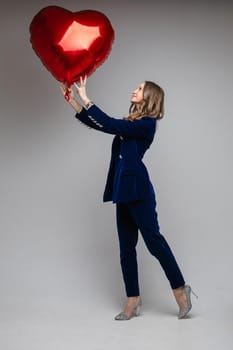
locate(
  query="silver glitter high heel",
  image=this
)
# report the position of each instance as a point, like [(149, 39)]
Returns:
[(135, 312), (185, 310)]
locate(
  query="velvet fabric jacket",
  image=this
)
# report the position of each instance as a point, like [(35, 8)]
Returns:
[(128, 178)]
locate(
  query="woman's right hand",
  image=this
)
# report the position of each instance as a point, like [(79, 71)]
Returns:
[(67, 92)]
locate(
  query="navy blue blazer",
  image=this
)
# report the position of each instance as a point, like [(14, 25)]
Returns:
[(128, 179)]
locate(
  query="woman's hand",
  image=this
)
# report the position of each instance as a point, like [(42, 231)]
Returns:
[(68, 93), (81, 90)]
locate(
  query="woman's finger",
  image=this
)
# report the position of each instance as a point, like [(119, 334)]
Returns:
[(64, 85), (62, 89)]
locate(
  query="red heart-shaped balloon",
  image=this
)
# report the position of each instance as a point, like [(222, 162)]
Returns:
[(71, 44)]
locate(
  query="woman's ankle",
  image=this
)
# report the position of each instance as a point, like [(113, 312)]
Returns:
[(134, 298)]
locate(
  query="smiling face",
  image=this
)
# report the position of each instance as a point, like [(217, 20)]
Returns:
[(137, 94)]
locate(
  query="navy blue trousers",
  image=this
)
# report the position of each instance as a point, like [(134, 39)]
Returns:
[(142, 215)]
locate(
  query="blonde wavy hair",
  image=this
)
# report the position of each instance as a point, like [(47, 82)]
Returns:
[(152, 104)]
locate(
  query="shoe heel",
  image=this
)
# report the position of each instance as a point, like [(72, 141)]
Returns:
[(193, 293), (137, 308)]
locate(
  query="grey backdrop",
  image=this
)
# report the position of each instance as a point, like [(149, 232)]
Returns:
[(58, 239)]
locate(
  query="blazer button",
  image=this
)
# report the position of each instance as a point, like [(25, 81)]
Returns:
[(120, 156)]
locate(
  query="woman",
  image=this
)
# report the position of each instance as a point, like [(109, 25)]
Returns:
[(128, 185)]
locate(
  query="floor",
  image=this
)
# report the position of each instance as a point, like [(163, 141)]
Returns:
[(71, 323)]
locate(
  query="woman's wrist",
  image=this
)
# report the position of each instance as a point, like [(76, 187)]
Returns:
[(87, 102), (77, 106)]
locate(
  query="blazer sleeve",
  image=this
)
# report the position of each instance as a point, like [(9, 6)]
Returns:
[(95, 118)]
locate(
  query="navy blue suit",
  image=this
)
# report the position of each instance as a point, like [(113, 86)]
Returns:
[(129, 186)]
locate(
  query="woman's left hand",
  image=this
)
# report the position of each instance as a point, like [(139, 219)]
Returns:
[(81, 90)]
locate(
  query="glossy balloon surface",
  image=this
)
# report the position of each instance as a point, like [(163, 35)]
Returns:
[(71, 44)]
